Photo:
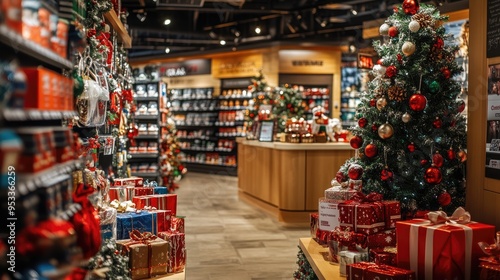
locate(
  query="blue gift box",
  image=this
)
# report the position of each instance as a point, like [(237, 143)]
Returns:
[(160, 190), (107, 232), (142, 221)]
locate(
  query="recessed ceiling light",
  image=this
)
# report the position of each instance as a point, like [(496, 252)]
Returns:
[(257, 30), (222, 42), (354, 12), (167, 50), (167, 21)]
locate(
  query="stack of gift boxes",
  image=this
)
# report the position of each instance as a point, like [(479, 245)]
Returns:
[(142, 217), (366, 237)]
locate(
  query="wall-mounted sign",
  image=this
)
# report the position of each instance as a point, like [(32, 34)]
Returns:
[(185, 68), (365, 61), (236, 66), (308, 61), (493, 29)]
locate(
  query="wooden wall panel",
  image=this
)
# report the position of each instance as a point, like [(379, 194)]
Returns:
[(276, 178), (292, 192)]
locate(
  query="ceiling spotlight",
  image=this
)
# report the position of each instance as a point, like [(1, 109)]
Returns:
[(212, 35), (142, 16), (236, 32), (257, 30), (352, 48), (167, 50), (167, 21), (354, 12), (222, 42)]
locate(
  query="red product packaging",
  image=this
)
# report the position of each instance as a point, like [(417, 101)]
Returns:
[(164, 202), (39, 88), (441, 251), (392, 211), (121, 193), (366, 217), (37, 154), (141, 202), (366, 271), (12, 10), (131, 182), (139, 191), (382, 239), (176, 253), (178, 224), (163, 219), (384, 255), (490, 268)]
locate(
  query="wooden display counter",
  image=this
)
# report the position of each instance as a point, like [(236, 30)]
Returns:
[(317, 256), (288, 179)]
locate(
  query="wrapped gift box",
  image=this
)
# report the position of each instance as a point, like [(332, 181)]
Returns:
[(442, 251), (160, 190), (178, 224), (164, 202), (146, 254), (385, 255), (490, 269), (138, 191), (121, 193), (349, 257), (176, 253), (142, 201), (382, 239), (328, 214), (107, 218), (130, 182), (367, 270), (339, 193), (366, 217), (163, 219), (143, 222), (392, 212)]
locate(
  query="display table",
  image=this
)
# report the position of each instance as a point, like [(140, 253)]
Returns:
[(288, 179), (171, 276), (317, 257)]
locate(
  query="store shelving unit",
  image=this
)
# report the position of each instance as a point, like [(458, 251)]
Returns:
[(144, 159)]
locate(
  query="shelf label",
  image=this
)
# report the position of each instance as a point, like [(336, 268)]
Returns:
[(328, 214)]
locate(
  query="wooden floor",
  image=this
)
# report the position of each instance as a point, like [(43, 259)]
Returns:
[(229, 239)]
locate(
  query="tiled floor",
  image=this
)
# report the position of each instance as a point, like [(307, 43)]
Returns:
[(229, 239)]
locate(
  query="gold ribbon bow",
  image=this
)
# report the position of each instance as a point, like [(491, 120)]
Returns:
[(460, 216)]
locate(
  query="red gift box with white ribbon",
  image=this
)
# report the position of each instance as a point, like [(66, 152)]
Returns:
[(164, 202), (442, 247)]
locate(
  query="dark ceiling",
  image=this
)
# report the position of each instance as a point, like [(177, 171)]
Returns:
[(199, 25)]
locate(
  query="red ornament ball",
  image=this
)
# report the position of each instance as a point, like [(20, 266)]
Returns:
[(374, 127), (371, 150), (418, 102), (437, 123), (373, 102), (451, 154), (340, 177), (411, 147), (393, 31), (391, 71), (410, 7), (437, 160), (362, 122), (399, 57), (461, 106), (356, 142), (355, 171), (446, 73), (444, 199), (424, 162), (386, 174), (439, 44), (433, 175)]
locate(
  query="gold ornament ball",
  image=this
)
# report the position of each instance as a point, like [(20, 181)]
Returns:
[(381, 103), (406, 118), (384, 29), (414, 26), (385, 131), (408, 48)]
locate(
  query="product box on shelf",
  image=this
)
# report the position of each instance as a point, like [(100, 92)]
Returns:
[(367, 217), (141, 202), (129, 182), (39, 88), (367, 270), (164, 202), (39, 149), (146, 254), (384, 255), (63, 138), (441, 251), (142, 221), (176, 253), (382, 239), (12, 11), (139, 191)]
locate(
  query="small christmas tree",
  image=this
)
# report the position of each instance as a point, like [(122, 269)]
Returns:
[(288, 105), (261, 95), (171, 168), (410, 134), (304, 271), (111, 262)]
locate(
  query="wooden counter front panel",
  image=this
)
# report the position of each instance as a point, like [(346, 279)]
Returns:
[(276, 178), (321, 167), (293, 180)]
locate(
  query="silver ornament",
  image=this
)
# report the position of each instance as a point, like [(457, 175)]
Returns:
[(408, 48), (381, 103), (385, 131), (379, 70), (406, 118), (384, 29), (414, 26)]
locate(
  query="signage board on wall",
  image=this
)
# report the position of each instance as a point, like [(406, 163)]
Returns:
[(365, 61), (308, 61), (237, 66), (493, 29), (493, 123), (185, 68)]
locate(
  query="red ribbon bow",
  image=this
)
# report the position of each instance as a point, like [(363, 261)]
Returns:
[(144, 237), (460, 216)]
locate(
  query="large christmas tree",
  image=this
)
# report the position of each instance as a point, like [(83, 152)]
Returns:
[(410, 135)]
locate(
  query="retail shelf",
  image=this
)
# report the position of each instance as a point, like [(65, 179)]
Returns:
[(143, 155), (209, 164), (146, 117), (222, 135), (147, 137), (146, 98), (197, 138), (235, 97), (113, 19), (183, 126), (36, 115), (215, 150), (233, 108), (317, 256), (143, 82), (32, 49), (30, 182), (145, 174), (193, 111), (192, 99), (224, 124)]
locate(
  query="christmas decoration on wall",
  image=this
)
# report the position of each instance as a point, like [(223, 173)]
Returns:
[(421, 115), (288, 105)]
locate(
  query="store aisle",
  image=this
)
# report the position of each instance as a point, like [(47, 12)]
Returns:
[(229, 239)]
